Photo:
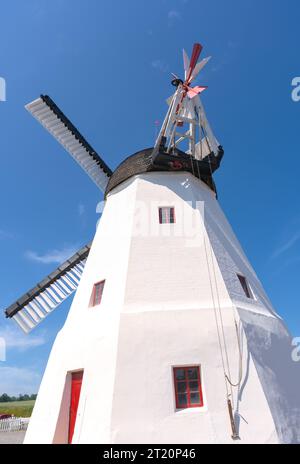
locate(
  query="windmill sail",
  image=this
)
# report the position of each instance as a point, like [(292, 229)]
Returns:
[(29, 310), (53, 119)]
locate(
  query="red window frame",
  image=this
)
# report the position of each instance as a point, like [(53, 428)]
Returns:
[(94, 293), (189, 390), (245, 286), (170, 216)]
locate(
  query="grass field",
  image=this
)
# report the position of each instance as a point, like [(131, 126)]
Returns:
[(17, 408)]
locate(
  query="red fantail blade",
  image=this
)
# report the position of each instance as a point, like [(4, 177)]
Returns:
[(193, 91), (197, 48)]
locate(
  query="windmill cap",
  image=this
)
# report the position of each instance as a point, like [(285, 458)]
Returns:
[(142, 162)]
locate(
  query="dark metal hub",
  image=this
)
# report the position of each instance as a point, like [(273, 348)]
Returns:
[(176, 82)]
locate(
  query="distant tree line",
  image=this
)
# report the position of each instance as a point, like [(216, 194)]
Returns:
[(5, 398)]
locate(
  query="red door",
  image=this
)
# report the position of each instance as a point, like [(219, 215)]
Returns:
[(76, 382)]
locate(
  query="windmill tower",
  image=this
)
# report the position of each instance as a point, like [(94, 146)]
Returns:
[(170, 337)]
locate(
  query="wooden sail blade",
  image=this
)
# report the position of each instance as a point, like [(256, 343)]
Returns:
[(29, 310), (53, 119)]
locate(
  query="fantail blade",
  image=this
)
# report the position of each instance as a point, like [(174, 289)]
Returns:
[(186, 63), (193, 91), (198, 67), (194, 58)]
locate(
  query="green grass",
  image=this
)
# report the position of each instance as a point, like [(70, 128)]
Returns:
[(17, 408)]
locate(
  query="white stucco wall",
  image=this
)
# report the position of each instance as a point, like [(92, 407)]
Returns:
[(165, 284)]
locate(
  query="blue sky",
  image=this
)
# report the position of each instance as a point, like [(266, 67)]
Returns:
[(107, 65)]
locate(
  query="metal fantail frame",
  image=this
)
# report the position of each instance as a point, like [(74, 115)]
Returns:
[(186, 120)]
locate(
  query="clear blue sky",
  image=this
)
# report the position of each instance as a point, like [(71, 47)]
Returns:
[(107, 65)]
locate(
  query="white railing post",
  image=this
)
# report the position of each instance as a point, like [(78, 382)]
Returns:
[(14, 424)]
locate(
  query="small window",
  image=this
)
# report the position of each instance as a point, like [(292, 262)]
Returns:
[(166, 215), (245, 286), (188, 390), (97, 293)]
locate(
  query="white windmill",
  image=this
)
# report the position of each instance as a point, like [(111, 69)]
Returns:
[(170, 337)]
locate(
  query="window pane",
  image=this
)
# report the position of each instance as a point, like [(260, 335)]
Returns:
[(244, 284), (181, 387), (172, 215), (98, 290), (193, 373), (187, 387), (195, 398), (182, 400), (166, 215), (97, 293), (194, 386), (180, 374), (160, 215)]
